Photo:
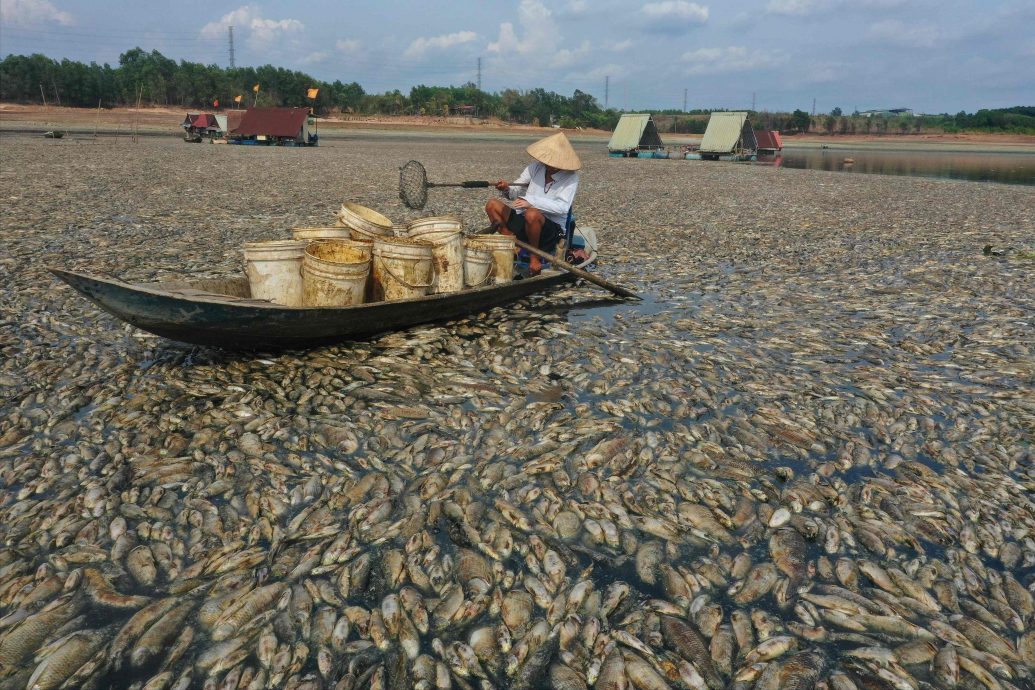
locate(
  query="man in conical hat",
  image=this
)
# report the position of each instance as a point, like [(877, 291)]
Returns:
[(539, 212)]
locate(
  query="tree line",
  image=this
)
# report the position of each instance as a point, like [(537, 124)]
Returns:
[(150, 78)]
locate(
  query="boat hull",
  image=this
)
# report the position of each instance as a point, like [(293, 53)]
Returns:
[(180, 312)]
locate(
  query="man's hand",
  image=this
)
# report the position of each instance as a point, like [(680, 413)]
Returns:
[(502, 185), (522, 202)]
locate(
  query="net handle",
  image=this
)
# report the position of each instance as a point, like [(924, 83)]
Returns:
[(417, 197)]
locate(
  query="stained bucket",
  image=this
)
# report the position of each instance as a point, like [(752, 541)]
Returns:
[(478, 262), (445, 234), (339, 232), (365, 222), (335, 273), (274, 270), (502, 248), (402, 268)]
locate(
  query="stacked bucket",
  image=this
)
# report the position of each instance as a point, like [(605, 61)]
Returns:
[(365, 258)]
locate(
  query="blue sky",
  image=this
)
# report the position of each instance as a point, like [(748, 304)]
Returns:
[(931, 56)]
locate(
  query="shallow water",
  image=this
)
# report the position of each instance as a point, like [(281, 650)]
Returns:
[(1008, 168)]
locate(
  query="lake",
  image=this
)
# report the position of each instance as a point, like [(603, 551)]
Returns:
[(1008, 168)]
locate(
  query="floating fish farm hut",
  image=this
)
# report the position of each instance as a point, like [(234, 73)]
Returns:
[(636, 135), (769, 141), (729, 137), (276, 127), (198, 126)]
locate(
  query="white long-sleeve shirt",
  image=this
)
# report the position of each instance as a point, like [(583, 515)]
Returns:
[(554, 200)]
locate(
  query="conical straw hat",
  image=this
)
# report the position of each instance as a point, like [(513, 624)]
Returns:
[(555, 151)]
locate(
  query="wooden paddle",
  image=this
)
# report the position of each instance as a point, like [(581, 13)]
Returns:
[(586, 275)]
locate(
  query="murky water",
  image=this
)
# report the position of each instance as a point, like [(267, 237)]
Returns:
[(1009, 168)]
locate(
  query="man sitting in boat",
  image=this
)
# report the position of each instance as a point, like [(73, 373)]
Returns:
[(540, 211)]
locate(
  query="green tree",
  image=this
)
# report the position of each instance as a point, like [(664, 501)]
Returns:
[(800, 121)]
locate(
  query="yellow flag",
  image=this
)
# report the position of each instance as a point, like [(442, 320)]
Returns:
[(237, 99), (255, 88), (312, 93)]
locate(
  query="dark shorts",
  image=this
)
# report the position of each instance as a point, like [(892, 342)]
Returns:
[(549, 236)]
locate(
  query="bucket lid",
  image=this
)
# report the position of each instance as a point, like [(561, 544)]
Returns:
[(421, 222), (275, 244), (350, 209)]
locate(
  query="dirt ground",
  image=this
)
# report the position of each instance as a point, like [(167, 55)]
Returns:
[(125, 120)]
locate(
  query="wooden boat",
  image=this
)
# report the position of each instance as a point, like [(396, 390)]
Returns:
[(221, 312)]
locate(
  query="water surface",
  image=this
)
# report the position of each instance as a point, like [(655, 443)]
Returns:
[(1009, 168)]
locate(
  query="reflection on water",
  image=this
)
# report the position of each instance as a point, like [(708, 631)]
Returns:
[(1011, 168)]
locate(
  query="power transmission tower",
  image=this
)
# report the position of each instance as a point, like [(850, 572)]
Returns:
[(684, 100), (479, 74), (231, 30), (607, 90)]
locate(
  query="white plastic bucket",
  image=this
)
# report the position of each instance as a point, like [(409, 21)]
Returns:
[(401, 268), (502, 248), (335, 273), (478, 262), (365, 221), (274, 270), (445, 234), (339, 232)]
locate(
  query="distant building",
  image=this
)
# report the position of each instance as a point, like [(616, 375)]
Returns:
[(768, 141), (888, 112), (275, 127), (464, 110), (198, 126), (634, 132), (729, 136)]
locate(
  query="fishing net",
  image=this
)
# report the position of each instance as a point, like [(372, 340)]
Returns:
[(413, 185)]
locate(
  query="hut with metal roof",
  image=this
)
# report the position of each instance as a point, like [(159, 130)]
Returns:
[(276, 127), (729, 136), (634, 132), (197, 126), (768, 141)]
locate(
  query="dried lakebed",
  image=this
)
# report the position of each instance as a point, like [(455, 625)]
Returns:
[(806, 461)]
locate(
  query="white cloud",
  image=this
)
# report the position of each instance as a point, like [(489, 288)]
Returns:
[(676, 11), (596, 76), (315, 58), (899, 33), (30, 12), (267, 30), (349, 46), (798, 8), (248, 19), (622, 46), (422, 46), (540, 36), (731, 59)]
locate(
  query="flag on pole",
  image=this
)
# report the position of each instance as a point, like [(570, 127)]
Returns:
[(255, 88), (237, 99), (312, 93), (215, 103)]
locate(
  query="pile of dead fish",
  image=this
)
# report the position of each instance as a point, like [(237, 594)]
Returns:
[(805, 461), (263, 551)]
